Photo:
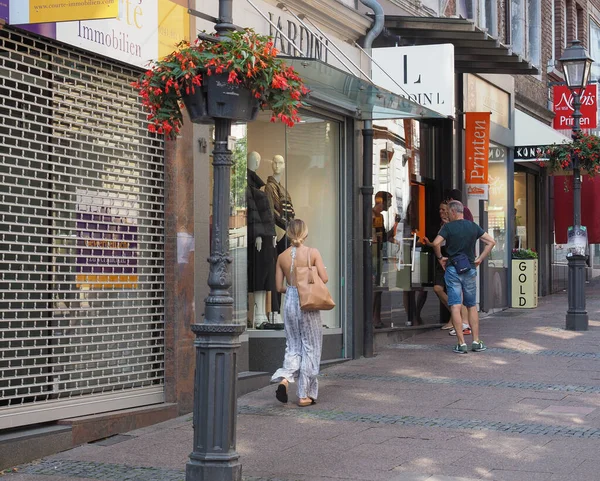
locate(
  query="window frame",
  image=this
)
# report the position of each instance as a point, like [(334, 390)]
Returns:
[(596, 65), (525, 28)]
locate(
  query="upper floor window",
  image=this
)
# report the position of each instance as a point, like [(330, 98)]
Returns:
[(525, 29), (488, 16), (595, 49)]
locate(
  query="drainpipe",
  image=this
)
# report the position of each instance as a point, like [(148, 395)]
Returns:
[(367, 194)]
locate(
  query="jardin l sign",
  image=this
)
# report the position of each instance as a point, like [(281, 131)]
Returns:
[(563, 107), (417, 72)]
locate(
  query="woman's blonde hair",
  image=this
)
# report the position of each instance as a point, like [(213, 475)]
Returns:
[(297, 232)]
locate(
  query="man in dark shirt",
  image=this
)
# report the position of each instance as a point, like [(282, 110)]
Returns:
[(456, 194), (461, 236)]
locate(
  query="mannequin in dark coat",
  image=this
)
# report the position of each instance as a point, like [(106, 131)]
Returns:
[(261, 232)]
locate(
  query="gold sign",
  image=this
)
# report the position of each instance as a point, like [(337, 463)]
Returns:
[(524, 283)]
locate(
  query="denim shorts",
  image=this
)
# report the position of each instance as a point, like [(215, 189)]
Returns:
[(462, 288)]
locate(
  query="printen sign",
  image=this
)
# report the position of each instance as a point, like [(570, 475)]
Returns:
[(477, 144), (563, 107)]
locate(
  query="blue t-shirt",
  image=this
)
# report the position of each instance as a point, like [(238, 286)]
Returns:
[(461, 236)]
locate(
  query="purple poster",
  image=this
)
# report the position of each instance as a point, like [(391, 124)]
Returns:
[(4, 10), (107, 242), (43, 29)]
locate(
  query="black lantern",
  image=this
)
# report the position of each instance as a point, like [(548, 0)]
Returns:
[(576, 66)]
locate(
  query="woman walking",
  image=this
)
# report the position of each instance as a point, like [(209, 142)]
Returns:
[(303, 330)]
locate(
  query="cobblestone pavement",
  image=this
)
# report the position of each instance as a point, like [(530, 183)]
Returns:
[(473, 424), (527, 409), (91, 470)]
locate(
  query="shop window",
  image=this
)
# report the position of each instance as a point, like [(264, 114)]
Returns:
[(524, 224), (278, 174), (526, 29), (405, 205), (595, 49), (497, 209)]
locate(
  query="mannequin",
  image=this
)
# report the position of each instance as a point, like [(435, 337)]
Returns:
[(283, 212), (261, 241), (280, 199)]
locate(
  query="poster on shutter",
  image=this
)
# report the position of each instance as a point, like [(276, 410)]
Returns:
[(107, 241), (43, 11), (477, 144), (3, 11)]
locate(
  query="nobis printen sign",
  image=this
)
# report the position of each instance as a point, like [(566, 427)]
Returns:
[(524, 283)]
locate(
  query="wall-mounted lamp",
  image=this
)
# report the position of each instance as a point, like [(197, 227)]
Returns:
[(202, 145)]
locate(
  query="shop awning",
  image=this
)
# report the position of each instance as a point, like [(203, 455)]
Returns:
[(475, 51), (532, 136), (358, 98)]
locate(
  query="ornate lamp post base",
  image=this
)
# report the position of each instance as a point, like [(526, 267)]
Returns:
[(577, 316), (214, 457)]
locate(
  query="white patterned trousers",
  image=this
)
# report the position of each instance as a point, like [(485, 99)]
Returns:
[(304, 342)]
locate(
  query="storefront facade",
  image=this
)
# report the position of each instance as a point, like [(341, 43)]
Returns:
[(495, 94), (311, 171), (533, 192), (83, 240)]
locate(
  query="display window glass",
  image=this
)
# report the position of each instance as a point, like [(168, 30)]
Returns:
[(495, 277), (525, 211), (402, 262), (498, 208), (280, 173)]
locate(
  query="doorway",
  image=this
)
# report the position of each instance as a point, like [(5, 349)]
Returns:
[(525, 230)]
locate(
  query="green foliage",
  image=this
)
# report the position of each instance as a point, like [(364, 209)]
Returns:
[(524, 254), (238, 172)]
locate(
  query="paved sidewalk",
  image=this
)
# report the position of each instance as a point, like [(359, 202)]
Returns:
[(528, 409)]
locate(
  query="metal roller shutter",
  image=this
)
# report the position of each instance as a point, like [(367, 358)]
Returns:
[(81, 236)]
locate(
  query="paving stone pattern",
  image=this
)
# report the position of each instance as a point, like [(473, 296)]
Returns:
[(528, 429), (504, 350), (537, 386), (113, 472)]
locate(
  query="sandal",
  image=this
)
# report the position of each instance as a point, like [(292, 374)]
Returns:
[(306, 402), (281, 393)]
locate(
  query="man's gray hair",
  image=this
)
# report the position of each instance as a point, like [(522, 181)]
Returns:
[(456, 206)]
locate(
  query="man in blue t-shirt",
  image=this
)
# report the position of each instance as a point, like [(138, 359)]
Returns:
[(461, 270)]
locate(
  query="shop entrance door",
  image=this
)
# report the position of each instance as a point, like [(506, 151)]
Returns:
[(525, 220)]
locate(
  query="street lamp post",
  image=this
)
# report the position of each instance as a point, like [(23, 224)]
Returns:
[(214, 456), (576, 67)]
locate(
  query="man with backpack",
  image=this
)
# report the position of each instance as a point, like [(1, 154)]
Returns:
[(461, 270)]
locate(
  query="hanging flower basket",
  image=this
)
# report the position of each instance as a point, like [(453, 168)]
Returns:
[(558, 158), (219, 98), (232, 78)]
